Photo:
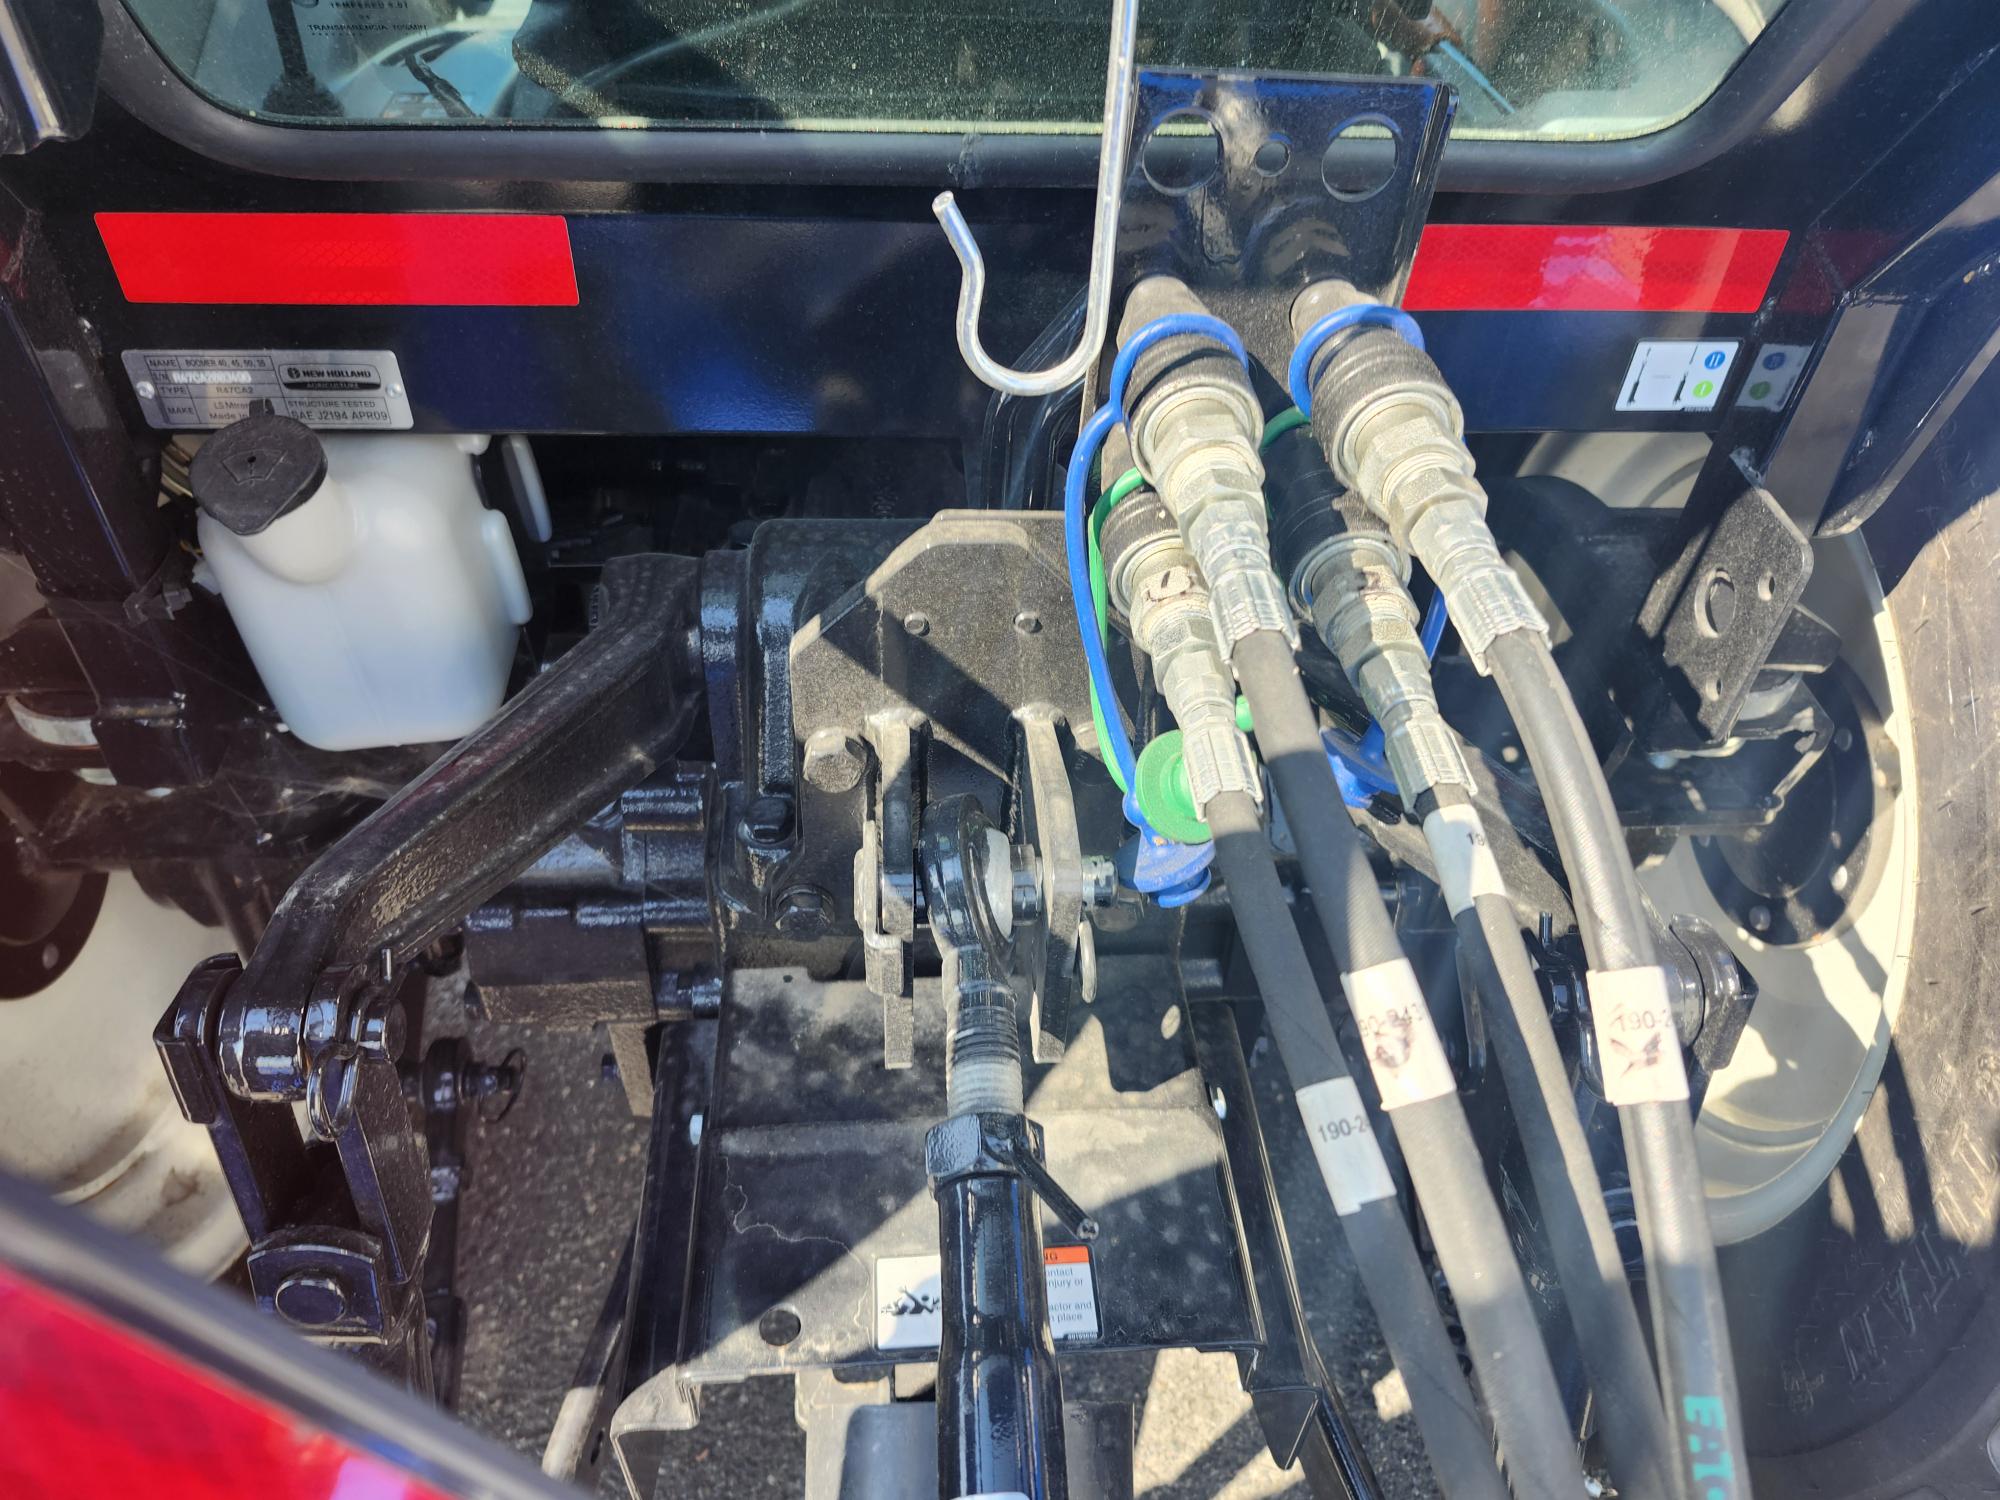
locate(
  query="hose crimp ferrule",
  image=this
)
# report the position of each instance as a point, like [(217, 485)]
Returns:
[(1217, 758), (1245, 602), (1362, 606), (1482, 592), (1403, 452), (1423, 755)]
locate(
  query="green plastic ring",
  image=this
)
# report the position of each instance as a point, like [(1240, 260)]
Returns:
[(1162, 792)]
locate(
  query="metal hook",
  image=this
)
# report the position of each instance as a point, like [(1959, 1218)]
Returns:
[(1111, 161)]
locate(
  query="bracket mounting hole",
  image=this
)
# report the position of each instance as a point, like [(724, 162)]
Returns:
[(1272, 156), (1182, 152), (1361, 158)]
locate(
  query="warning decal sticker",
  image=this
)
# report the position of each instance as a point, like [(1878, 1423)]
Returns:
[(909, 1303)]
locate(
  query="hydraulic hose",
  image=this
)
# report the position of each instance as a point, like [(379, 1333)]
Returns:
[(1609, 1337), (1393, 1276), (1394, 433), (1352, 579), (1467, 1231), (1684, 1282)]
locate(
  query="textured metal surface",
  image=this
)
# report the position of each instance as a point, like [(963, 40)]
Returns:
[(1717, 610), (799, 1100), (1247, 239), (541, 1248), (1298, 1409), (924, 635)]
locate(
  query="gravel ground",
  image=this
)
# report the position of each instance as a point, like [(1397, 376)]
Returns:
[(553, 1189)]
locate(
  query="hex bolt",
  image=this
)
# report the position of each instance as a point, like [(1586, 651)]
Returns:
[(1100, 880), (768, 820), (310, 1299), (834, 760), (803, 911)]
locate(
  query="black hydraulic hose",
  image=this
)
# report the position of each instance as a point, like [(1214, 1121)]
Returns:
[(1609, 1337), (1454, 1432), (1470, 1237), (1684, 1284)]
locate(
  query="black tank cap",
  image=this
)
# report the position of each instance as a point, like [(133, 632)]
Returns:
[(257, 470)]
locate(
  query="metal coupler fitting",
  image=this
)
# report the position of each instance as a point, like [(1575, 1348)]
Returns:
[(1152, 578), (1195, 425), (1395, 435), (1354, 582)]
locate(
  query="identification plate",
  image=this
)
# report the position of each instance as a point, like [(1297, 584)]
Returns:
[(338, 389)]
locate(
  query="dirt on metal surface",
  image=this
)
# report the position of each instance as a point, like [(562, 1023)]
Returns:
[(553, 1190)]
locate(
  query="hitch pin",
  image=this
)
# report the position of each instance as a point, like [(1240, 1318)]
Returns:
[(1111, 162)]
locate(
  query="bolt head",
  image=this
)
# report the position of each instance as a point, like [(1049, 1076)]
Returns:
[(145, 390), (1759, 918), (917, 622), (310, 1300), (768, 820), (804, 911), (834, 761)]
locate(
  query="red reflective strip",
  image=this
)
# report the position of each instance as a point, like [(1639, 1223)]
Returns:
[(92, 1411), (1592, 268), (343, 260)]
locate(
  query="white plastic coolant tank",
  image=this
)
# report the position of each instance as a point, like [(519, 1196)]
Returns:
[(377, 595)]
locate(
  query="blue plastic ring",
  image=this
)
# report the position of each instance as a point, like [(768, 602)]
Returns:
[(1174, 325), (1359, 315)]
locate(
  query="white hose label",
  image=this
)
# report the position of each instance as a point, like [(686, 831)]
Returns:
[(1638, 1044), (1467, 869), (1342, 1139), (1404, 1052)]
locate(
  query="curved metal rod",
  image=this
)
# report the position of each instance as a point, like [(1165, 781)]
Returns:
[(1111, 161)]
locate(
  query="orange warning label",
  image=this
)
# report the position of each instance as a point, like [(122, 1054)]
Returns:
[(1066, 1255)]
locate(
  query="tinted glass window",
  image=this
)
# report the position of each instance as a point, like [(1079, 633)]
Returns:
[(1561, 68)]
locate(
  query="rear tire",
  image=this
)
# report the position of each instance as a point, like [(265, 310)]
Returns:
[(1866, 1328)]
